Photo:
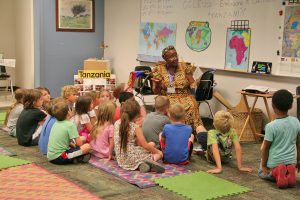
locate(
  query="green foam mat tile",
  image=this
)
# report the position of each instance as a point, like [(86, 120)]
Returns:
[(201, 185), (7, 162)]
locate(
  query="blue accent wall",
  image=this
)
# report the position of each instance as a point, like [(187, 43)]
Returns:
[(58, 55)]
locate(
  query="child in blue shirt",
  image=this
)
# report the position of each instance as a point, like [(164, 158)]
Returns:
[(281, 146), (176, 139)]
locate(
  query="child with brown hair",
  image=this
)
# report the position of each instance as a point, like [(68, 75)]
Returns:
[(218, 142), (45, 95), (30, 118), (132, 150), (103, 132), (176, 138), (14, 112), (70, 94), (105, 96), (95, 101), (65, 146), (81, 119), (155, 121), (281, 146)]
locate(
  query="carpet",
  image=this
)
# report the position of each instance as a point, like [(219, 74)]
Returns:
[(142, 180), (201, 185), (5, 152), (35, 183), (7, 162)]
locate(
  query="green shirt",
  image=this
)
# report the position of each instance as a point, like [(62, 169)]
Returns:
[(225, 147), (282, 133), (61, 134)]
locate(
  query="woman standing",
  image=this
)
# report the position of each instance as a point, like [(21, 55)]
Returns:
[(175, 80)]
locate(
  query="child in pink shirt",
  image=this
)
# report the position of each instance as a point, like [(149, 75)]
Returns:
[(102, 134)]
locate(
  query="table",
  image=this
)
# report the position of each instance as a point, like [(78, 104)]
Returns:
[(249, 117), (8, 84)]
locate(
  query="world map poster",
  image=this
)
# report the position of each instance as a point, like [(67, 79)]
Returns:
[(237, 49), (153, 38), (291, 33)]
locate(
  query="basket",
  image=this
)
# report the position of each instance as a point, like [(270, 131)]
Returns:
[(239, 121)]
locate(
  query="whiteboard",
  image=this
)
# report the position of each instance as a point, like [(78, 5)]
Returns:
[(264, 22)]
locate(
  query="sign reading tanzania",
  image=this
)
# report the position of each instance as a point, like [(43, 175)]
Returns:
[(94, 73)]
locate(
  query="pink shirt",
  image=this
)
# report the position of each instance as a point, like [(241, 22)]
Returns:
[(100, 145)]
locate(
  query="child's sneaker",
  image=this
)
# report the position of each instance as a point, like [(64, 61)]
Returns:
[(144, 168), (83, 159), (155, 166), (199, 151), (279, 173), (291, 175)]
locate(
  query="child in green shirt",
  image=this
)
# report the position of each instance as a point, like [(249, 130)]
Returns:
[(219, 141)]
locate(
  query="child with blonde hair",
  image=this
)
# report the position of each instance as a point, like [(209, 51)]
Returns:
[(14, 112), (155, 121), (132, 150), (218, 142), (65, 146), (81, 119), (103, 132), (30, 118), (70, 94), (176, 138), (105, 96)]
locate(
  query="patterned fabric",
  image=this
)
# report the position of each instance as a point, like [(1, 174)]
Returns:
[(142, 180), (182, 88), (5, 152), (33, 182), (135, 154)]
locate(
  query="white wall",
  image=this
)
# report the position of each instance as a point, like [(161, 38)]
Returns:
[(24, 43), (7, 34), (121, 33)]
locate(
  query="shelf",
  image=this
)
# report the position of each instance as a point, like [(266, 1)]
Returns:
[(224, 71)]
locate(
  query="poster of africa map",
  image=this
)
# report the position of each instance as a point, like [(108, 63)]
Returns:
[(291, 33), (237, 49), (154, 37)]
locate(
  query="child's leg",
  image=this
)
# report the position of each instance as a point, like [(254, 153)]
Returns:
[(68, 156), (190, 146), (202, 139), (261, 174), (291, 176)]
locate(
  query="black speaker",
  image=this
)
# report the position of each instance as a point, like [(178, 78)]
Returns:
[(298, 102)]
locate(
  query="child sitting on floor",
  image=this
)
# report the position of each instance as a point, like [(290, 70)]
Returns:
[(45, 96), (95, 101), (105, 96), (177, 139), (103, 132), (132, 150), (218, 142), (281, 146), (47, 125), (155, 121), (124, 96), (70, 93), (65, 146), (14, 112), (82, 119), (30, 118)]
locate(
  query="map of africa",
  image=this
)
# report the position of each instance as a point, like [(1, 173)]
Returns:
[(237, 49), (291, 34), (154, 37), (197, 36)]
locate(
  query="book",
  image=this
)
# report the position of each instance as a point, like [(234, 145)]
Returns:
[(256, 89)]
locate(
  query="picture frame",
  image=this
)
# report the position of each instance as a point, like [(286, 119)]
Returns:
[(75, 15)]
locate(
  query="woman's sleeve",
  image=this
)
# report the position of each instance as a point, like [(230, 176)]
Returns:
[(155, 72), (188, 68)]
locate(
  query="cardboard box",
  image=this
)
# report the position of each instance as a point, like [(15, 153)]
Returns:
[(93, 64)]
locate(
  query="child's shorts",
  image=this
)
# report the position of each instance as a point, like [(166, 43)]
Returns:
[(68, 156), (202, 140)]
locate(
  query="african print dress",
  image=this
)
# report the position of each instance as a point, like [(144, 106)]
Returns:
[(135, 155), (182, 93)]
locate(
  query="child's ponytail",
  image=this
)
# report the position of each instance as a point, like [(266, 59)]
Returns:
[(130, 109)]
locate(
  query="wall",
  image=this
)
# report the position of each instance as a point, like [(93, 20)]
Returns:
[(60, 54), (122, 20), (7, 39), (24, 43)]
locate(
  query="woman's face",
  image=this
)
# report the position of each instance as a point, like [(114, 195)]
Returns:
[(171, 58)]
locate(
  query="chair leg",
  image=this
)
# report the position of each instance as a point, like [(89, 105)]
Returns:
[(211, 113)]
